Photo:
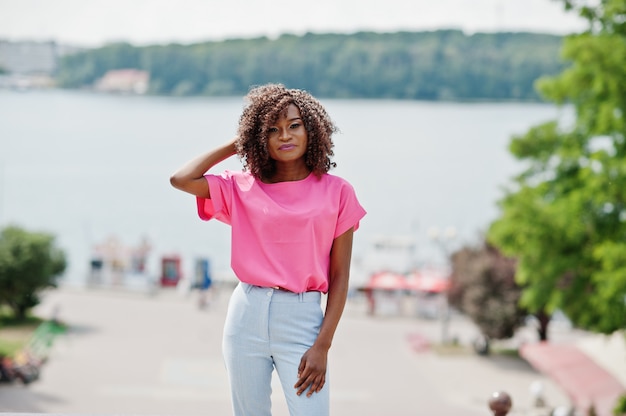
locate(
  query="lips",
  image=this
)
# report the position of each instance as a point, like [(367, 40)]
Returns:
[(287, 147)]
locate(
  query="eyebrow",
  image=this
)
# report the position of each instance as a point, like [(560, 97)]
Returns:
[(290, 120)]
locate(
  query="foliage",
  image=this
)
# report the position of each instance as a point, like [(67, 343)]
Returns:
[(445, 64), (483, 287), (29, 262), (565, 218), (9, 321), (14, 333), (9, 347), (620, 407)]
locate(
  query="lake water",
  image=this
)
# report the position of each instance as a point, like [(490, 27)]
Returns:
[(87, 167)]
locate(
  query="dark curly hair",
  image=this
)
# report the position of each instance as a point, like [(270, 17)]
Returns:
[(264, 105)]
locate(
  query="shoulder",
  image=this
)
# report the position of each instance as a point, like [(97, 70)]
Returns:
[(334, 181), (236, 175), (335, 187), (237, 179)]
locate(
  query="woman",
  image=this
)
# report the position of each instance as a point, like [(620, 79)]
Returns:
[(292, 226)]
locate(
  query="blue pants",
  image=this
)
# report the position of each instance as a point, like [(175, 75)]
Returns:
[(266, 329)]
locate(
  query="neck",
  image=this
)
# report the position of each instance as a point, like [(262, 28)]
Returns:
[(289, 173)]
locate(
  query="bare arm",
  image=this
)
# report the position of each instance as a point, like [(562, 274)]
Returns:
[(190, 177), (312, 370)]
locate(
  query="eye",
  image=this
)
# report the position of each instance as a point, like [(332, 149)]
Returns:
[(295, 125), (272, 129)]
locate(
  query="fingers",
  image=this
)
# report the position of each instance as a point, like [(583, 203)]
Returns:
[(301, 367), (310, 378), (311, 372), (312, 383)]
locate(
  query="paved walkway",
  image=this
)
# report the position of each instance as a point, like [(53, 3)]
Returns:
[(139, 354)]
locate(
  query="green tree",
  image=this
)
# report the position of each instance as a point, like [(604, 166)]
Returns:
[(565, 218), (29, 262), (444, 64), (620, 406), (484, 288)]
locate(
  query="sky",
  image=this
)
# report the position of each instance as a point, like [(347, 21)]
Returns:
[(142, 22)]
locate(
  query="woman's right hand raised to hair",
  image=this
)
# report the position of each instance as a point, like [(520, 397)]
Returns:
[(190, 177)]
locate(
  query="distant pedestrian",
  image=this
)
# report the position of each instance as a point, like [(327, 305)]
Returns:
[(292, 225), (206, 284)]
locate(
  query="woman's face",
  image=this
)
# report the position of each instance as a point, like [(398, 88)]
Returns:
[(287, 140)]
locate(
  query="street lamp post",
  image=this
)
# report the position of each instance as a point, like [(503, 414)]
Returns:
[(443, 239)]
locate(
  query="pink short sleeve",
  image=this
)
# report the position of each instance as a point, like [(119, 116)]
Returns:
[(350, 210), (218, 205)]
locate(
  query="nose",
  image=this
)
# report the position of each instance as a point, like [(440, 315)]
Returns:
[(284, 135)]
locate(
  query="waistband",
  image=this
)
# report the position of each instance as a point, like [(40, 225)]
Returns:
[(278, 293)]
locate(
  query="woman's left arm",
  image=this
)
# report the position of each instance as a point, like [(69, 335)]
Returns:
[(312, 369)]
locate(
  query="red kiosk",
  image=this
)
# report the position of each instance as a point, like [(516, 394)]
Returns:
[(171, 271)]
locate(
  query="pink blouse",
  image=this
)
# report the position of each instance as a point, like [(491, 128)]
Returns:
[(282, 233)]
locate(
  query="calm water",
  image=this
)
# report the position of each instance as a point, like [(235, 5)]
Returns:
[(87, 167)]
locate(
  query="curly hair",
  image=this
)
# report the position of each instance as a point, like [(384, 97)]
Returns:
[(264, 106)]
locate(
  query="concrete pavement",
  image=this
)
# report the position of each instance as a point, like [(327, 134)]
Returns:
[(133, 353)]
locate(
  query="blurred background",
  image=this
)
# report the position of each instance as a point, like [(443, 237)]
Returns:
[(436, 103), (119, 95)]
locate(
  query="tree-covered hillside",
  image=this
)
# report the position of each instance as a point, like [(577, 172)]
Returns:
[(445, 64)]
